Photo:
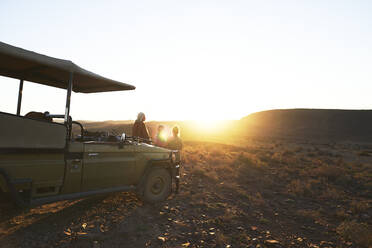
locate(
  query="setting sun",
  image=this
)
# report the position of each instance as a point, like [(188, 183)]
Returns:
[(208, 125)]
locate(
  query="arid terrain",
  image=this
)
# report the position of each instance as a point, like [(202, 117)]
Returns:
[(245, 192)]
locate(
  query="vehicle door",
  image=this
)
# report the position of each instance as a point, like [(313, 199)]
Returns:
[(107, 164), (73, 168)]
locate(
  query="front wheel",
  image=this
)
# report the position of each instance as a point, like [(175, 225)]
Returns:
[(157, 186)]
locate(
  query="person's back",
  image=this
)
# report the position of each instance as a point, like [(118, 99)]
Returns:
[(175, 142), (139, 128), (160, 138)]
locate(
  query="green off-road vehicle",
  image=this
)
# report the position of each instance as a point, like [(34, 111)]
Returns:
[(41, 160)]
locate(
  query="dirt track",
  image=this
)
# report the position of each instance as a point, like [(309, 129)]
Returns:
[(210, 211)]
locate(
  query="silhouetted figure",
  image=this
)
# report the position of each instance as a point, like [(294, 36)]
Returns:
[(139, 128), (175, 142), (161, 137)]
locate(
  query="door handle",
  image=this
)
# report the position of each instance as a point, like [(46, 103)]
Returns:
[(74, 166), (93, 154)]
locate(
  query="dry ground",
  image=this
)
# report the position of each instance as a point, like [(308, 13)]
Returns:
[(262, 194)]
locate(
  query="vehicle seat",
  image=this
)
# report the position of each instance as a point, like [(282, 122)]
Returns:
[(38, 116), (24, 132)]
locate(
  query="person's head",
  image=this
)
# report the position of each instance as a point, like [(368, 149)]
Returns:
[(141, 116), (175, 131), (160, 128)]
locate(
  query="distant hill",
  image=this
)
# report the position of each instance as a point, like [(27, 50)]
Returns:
[(309, 124), (353, 125)]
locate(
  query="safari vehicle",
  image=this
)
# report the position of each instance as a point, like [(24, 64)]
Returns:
[(42, 162)]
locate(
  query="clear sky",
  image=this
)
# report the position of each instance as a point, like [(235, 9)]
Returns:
[(197, 59)]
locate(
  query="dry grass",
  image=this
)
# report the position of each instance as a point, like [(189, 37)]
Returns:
[(361, 233), (239, 194), (321, 178)]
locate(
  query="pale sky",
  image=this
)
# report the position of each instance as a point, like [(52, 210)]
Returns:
[(196, 59)]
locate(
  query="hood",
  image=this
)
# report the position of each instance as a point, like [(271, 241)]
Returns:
[(151, 148)]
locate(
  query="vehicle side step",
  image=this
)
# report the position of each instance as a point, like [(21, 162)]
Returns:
[(80, 195)]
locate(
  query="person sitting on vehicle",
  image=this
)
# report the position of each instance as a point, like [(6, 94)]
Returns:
[(175, 142), (161, 137), (139, 128)]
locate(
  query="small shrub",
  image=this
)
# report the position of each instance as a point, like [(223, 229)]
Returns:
[(199, 172), (221, 239), (364, 153), (226, 172), (341, 214), (344, 180), (327, 171), (299, 149), (264, 221), (246, 159), (257, 199), (358, 207), (216, 152), (311, 154), (360, 233), (288, 153), (306, 187), (368, 186), (309, 215), (331, 193)]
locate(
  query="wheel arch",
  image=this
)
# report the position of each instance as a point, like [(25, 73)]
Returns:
[(151, 164), (7, 186), (4, 180), (3, 184)]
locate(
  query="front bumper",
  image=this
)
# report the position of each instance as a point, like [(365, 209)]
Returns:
[(177, 177), (176, 168)]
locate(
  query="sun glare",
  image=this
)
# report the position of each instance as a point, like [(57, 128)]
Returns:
[(208, 125), (163, 136)]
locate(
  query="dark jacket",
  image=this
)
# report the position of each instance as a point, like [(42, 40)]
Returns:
[(140, 130)]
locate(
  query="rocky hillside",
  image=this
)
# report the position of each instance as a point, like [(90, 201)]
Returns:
[(352, 125), (309, 124)]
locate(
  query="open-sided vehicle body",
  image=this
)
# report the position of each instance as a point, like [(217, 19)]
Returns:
[(41, 162)]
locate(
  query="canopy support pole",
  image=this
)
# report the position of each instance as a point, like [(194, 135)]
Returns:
[(68, 101), (20, 97)]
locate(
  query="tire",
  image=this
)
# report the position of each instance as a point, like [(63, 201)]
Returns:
[(158, 185), (4, 197)]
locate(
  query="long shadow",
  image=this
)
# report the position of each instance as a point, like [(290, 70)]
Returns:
[(49, 224)]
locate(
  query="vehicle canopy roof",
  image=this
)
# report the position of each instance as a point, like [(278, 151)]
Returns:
[(26, 65)]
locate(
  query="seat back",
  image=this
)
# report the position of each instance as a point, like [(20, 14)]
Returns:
[(22, 132)]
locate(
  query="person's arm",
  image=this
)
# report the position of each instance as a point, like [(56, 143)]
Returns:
[(144, 132), (135, 130)]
